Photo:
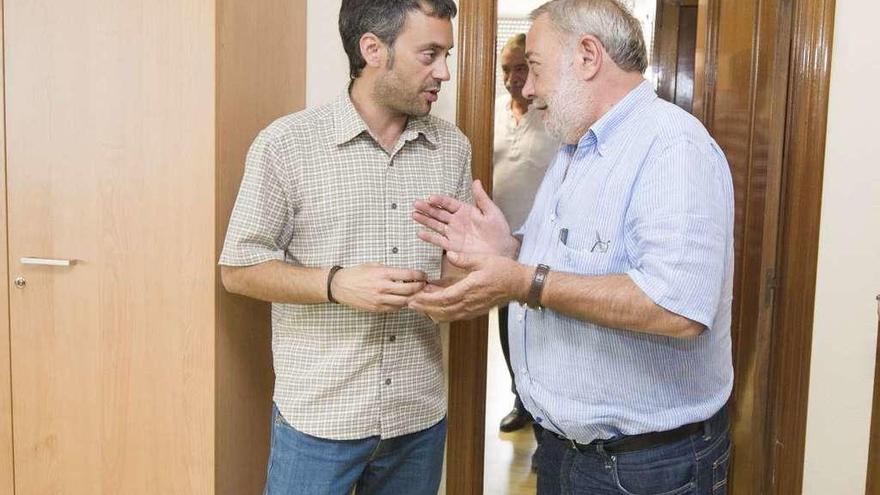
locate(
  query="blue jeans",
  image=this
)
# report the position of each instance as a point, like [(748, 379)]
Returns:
[(307, 465), (695, 465)]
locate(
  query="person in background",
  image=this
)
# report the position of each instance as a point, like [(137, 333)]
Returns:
[(523, 151)]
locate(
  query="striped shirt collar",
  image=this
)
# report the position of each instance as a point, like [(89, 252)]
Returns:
[(350, 124), (602, 132)]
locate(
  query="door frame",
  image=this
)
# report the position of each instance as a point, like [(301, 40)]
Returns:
[(793, 284)]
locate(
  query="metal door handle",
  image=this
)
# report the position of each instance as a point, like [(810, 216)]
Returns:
[(47, 261)]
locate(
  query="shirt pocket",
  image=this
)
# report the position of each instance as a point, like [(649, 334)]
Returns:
[(587, 252)]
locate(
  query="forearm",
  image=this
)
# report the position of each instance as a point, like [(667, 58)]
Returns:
[(277, 281), (613, 301)]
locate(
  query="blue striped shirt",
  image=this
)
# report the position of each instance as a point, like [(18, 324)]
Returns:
[(647, 193)]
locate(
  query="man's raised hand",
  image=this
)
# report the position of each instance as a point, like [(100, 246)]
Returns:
[(460, 227)]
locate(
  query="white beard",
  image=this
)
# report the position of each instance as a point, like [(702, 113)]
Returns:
[(565, 109)]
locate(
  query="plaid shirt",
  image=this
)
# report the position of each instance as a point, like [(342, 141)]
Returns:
[(318, 190)]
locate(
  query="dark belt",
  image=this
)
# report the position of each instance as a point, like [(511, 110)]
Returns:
[(632, 443)]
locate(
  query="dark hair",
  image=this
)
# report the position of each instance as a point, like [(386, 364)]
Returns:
[(385, 19)]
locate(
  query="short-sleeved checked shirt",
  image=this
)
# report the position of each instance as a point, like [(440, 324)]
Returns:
[(318, 190)]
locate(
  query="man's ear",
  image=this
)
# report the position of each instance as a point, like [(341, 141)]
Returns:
[(372, 50), (589, 57)]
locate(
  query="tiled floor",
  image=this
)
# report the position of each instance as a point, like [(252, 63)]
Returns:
[(507, 469)]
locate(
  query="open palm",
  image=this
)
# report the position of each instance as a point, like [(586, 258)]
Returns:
[(460, 227)]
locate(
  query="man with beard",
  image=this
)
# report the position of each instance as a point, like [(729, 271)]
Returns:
[(322, 229), (521, 153), (621, 348)]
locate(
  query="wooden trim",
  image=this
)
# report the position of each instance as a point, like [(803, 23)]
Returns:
[(468, 339), (872, 487), (757, 164), (706, 61), (803, 164), (665, 56), (7, 465)]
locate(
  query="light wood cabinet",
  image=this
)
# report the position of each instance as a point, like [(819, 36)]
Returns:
[(126, 124)]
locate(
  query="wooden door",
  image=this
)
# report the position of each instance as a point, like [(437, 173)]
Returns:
[(110, 149), (674, 54)]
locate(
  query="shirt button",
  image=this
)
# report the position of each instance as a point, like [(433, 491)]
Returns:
[(552, 218), (394, 250), (519, 318), (524, 371), (392, 338), (393, 206), (388, 381)]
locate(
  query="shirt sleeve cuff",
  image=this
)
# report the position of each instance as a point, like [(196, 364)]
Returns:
[(249, 259), (658, 291)]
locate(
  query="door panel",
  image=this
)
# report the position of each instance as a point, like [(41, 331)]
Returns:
[(110, 152), (750, 93), (674, 51)]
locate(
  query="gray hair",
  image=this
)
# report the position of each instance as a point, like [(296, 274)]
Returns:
[(608, 20)]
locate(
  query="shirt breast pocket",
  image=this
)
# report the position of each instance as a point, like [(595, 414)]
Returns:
[(588, 253)]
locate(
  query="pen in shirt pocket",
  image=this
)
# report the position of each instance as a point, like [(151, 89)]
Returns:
[(563, 236)]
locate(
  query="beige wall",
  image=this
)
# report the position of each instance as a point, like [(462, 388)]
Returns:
[(844, 334)]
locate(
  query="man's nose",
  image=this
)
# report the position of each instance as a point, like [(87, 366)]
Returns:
[(528, 90), (441, 71)]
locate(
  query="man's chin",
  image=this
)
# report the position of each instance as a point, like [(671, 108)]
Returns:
[(420, 111)]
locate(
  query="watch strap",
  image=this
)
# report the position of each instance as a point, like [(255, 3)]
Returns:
[(533, 300)]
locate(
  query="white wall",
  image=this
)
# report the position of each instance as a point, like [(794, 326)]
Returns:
[(845, 329), (326, 65)]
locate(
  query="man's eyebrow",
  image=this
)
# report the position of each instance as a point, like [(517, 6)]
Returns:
[(435, 46)]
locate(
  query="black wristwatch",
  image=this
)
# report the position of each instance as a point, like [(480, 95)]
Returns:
[(533, 300)]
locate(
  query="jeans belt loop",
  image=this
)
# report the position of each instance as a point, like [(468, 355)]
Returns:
[(707, 430)]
